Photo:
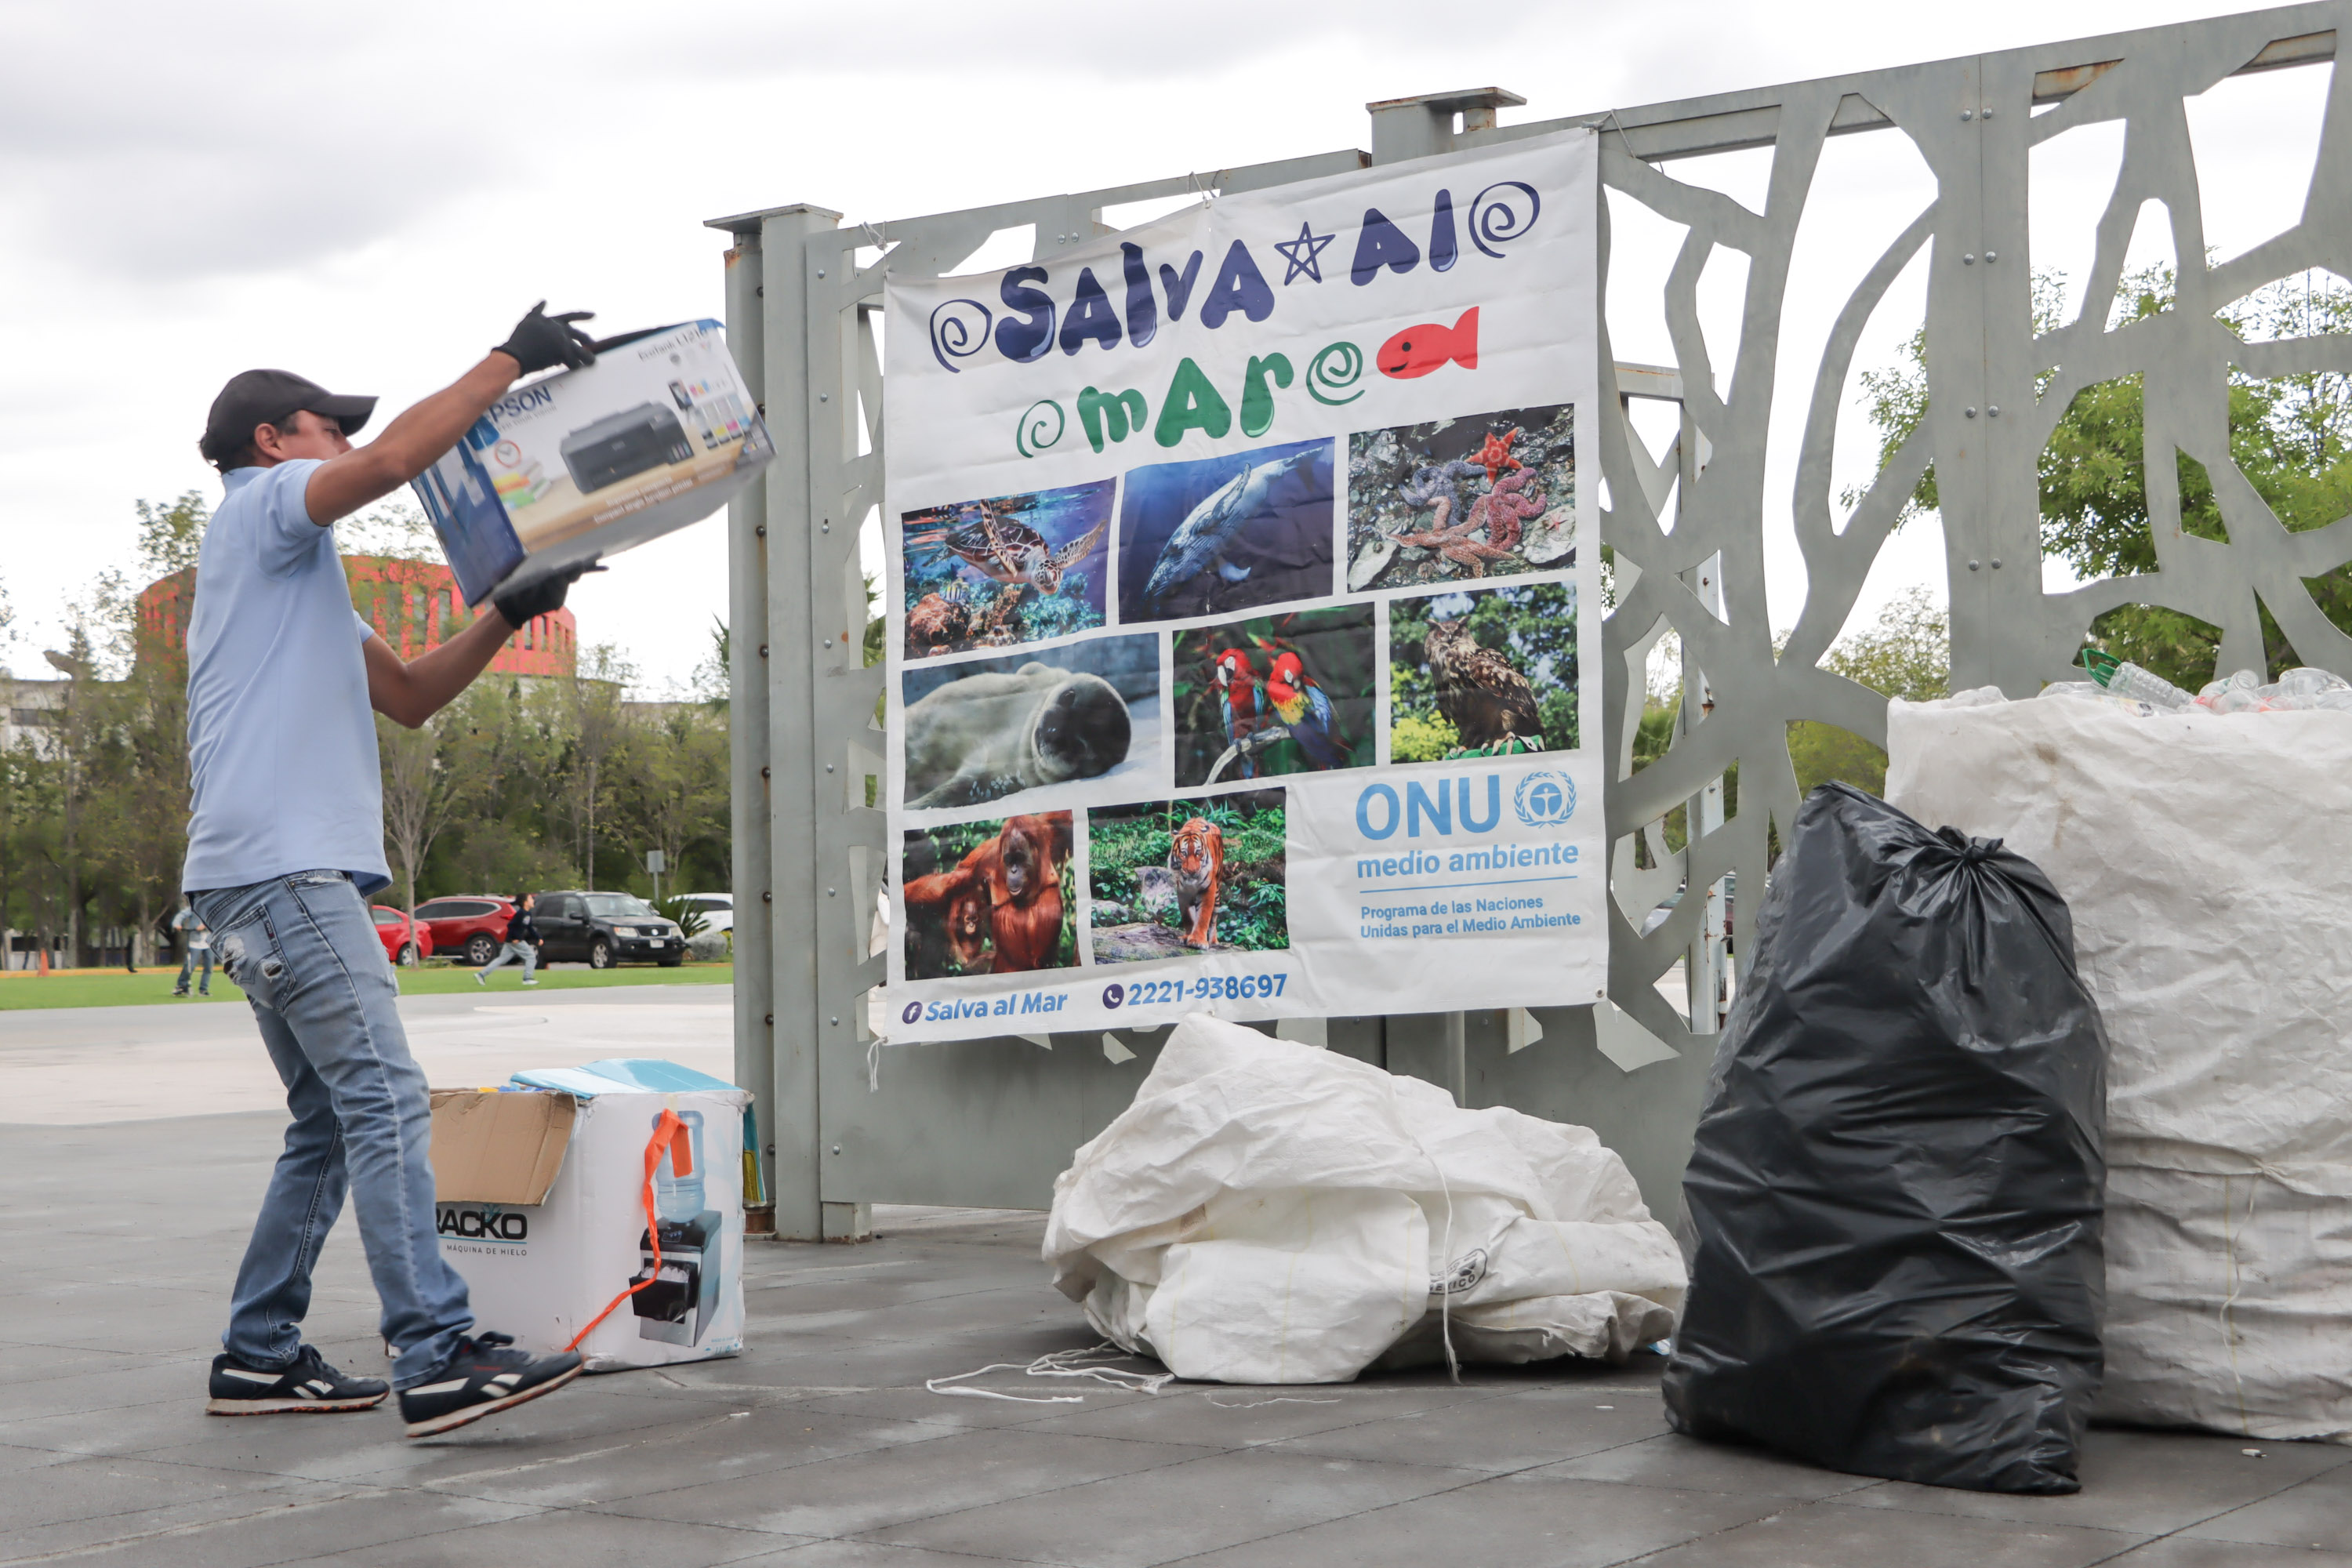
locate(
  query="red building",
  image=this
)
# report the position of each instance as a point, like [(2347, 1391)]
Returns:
[(413, 604)]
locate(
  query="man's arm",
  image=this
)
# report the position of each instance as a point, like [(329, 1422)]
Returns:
[(414, 441), (409, 693), (410, 443)]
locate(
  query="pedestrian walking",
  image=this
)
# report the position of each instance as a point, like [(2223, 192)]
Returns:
[(285, 846), (196, 947), (523, 941)]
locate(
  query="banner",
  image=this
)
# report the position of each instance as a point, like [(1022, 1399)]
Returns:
[(1242, 603)]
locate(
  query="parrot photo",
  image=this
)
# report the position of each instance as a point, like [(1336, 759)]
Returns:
[(1243, 706), (1306, 710)]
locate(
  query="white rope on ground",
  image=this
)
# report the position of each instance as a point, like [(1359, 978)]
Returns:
[(1257, 1404), (1056, 1363)]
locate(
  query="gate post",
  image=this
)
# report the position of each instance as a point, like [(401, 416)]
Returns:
[(747, 732), (772, 676)]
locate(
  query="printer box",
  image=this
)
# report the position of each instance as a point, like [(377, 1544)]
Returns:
[(540, 1198), (658, 433)]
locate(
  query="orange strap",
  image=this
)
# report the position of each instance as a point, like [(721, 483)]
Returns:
[(668, 1135)]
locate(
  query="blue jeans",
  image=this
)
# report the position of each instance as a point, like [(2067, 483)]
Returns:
[(303, 949), (522, 950), (188, 961)]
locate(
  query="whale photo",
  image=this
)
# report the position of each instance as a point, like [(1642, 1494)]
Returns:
[(1218, 535)]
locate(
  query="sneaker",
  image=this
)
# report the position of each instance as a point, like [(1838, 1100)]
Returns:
[(483, 1378), (530, 983), (309, 1384), (477, 978)]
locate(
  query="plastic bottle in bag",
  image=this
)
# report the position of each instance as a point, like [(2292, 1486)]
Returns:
[(2129, 680), (2241, 693), (2122, 679)]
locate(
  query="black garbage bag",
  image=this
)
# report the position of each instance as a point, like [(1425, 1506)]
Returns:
[(1898, 1180)]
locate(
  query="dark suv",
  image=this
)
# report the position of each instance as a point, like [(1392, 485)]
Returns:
[(477, 924), (603, 929)]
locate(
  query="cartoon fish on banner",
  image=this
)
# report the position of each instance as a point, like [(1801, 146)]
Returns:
[(1203, 539), (1417, 351)]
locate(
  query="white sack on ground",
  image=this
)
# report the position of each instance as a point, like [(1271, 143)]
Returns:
[(2204, 859), (1266, 1212)]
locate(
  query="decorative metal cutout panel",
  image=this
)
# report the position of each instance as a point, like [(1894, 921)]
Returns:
[(809, 293)]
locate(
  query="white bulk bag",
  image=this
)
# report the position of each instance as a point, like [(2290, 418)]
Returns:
[(2206, 861), (1267, 1212)]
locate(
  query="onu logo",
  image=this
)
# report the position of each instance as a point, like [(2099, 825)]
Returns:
[(1545, 799), (1380, 811)]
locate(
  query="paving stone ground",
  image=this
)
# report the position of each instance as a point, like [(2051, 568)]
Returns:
[(820, 1446)]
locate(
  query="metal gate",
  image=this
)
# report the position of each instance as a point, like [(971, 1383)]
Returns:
[(990, 1122)]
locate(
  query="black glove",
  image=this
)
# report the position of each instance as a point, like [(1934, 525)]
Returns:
[(529, 594), (541, 341)]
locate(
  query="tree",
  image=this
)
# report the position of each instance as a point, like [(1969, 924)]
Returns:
[(2291, 437), (674, 790), (172, 536), (1908, 654), (711, 683), (502, 756), (416, 796), (592, 701)]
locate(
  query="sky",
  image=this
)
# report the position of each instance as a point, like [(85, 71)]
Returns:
[(371, 195)]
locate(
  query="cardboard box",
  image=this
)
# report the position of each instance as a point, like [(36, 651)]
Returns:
[(658, 433), (495, 1148), (540, 1194)]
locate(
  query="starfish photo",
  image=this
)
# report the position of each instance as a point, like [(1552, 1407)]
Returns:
[(1496, 455)]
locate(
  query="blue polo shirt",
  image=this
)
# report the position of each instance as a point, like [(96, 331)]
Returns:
[(282, 742)]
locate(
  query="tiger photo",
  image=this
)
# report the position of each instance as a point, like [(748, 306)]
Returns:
[(1197, 860), (1176, 878)]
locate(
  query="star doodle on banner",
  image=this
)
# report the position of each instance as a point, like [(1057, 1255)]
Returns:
[(1302, 253)]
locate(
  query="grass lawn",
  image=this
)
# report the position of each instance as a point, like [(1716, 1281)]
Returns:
[(117, 988)]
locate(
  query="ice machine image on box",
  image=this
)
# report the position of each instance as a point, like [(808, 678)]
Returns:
[(624, 443), (676, 1303)]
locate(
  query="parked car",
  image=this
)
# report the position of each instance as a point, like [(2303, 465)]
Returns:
[(718, 910), (405, 942), (605, 929), (473, 923)]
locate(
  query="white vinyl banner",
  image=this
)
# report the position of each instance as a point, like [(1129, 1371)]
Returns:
[(1242, 603)]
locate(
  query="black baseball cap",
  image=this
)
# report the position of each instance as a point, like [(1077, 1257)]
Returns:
[(271, 397)]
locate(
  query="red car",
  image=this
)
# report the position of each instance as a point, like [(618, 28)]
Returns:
[(475, 924), (405, 942)]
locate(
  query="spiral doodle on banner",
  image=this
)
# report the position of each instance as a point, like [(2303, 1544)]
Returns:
[(1029, 436), (1339, 365), (956, 338), (1497, 220)]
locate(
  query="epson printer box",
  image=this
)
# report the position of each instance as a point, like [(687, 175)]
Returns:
[(658, 433), (539, 1195)]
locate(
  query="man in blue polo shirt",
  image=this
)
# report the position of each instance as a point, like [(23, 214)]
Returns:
[(286, 843)]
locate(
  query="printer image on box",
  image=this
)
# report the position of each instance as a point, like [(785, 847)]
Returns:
[(658, 433), (622, 446)]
